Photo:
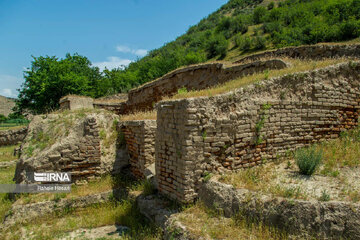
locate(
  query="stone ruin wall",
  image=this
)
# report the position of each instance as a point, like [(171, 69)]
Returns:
[(12, 137), (82, 160), (313, 52), (140, 141), (218, 134), (193, 78), (73, 102)]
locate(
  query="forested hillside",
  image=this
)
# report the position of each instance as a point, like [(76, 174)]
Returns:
[(238, 27)]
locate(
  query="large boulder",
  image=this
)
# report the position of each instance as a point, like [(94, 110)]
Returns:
[(83, 142)]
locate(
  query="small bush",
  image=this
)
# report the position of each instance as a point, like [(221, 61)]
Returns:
[(308, 160), (260, 43), (182, 90), (244, 43), (325, 197)]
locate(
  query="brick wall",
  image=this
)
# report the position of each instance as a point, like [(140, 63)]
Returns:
[(140, 142), (193, 78), (82, 159), (260, 122)]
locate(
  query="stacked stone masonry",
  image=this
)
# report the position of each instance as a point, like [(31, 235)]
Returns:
[(243, 128), (139, 137), (193, 78), (82, 160), (73, 102), (12, 137)]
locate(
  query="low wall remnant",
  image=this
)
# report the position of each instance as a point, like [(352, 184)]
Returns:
[(12, 137), (73, 102), (313, 52)]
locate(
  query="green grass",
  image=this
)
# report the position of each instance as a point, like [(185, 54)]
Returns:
[(4, 127), (7, 153), (58, 225), (340, 153), (6, 177), (206, 223)]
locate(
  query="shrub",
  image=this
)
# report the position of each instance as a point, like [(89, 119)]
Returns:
[(217, 46), (260, 43), (270, 5), (308, 160), (259, 14), (243, 42)]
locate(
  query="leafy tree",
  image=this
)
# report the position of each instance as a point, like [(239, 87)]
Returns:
[(259, 43), (51, 78), (217, 45), (270, 5), (243, 42), (259, 14)]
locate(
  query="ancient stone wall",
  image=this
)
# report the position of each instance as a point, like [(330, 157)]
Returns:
[(12, 137), (140, 142), (73, 102), (300, 218), (314, 52), (82, 160), (193, 78), (85, 146), (118, 108), (241, 129)]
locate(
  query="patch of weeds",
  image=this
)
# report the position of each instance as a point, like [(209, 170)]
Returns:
[(325, 197), (207, 176), (288, 165), (308, 160), (204, 135), (182, 90), (102, 134), (287, 192), (148, 188), (260, 124), (59, 196), (266, 74), (109, 140), (29, 150)]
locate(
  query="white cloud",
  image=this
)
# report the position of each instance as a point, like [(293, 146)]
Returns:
[(112, 62), (141, 52), (9, 85), (126, 49), (123, 49), (7, 92)]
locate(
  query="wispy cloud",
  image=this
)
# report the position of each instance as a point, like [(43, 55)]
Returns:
[(113, 62), (9, 85), (126, 49), (7, 92)]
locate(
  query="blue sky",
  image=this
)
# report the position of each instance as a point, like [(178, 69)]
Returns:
[(109, 32)]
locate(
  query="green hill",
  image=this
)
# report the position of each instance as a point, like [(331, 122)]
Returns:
[(244, 26)]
